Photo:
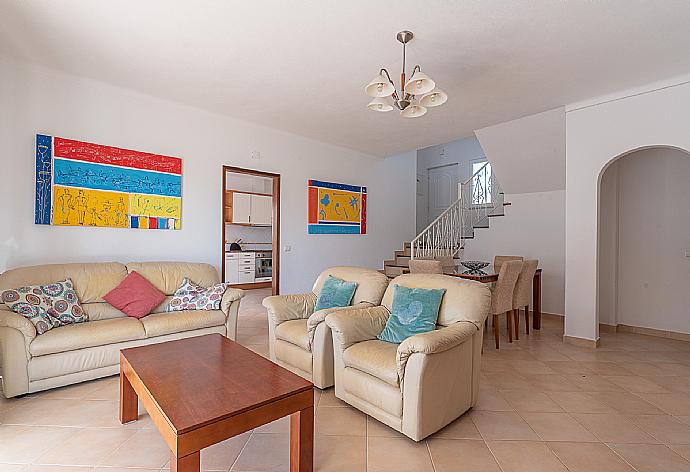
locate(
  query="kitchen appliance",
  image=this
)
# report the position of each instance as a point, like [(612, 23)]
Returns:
[(264, 266)]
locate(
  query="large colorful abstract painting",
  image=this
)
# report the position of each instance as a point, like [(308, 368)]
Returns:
[(85, 184), (337, 208)]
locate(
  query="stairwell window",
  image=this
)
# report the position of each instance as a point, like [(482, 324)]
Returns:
[(481, 183)]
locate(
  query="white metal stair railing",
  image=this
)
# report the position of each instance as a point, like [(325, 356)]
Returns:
[(480, 197)]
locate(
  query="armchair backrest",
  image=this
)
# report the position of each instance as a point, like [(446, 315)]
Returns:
[(464, 300), (371, 283)]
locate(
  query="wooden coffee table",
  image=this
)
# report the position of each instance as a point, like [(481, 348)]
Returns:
[(202, 390)]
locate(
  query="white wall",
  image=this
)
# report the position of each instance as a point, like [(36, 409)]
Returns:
[(651, 224), (597, 132), (34, 99), (533, 227), (461, 152)]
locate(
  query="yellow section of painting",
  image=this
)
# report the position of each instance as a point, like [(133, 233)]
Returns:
[(155, 205), (86, 207), (339, 205)]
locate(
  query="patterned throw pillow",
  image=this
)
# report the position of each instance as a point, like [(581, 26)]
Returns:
[(46, 306), (191, 296)]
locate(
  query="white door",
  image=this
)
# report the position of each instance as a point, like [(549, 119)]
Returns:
[(262, 210), (443, 189), (241, 207)]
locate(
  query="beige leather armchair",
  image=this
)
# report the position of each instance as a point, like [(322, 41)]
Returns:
[(422, 384), (299, 340)]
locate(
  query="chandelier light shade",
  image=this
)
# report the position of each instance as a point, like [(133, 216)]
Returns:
[(413, 97)]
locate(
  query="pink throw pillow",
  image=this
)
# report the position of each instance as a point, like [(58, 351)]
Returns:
[(135, 296)]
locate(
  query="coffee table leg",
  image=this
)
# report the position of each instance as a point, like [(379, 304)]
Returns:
[(129, 404), (302, 440), (190, 463)]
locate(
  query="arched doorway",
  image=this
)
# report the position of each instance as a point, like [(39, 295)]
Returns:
[(643, 240)]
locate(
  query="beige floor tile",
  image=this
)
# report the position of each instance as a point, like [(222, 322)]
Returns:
[(557, 427), (507, 381), (126, 469), (652, 458), (607, 368), (340, 454), (317, 397), (501, 425), (281, 425), (612, 427), (683, 451), (265, 453), (579, 402), (683, 419), (333, 421), (636, 384), (14, 467), (461, 456), (57, 468), (627, 403), (397, 455), (525, 400), (144, 449), (593, 383), (673, 383), (72, 451), (589, 457), (59, 412), (376, 428), (461, 428), (525, 456), (569, 367), (666, 429), (645, 368), (23, 444), (328, 398), (222, 455), (551, 383), (69, 392), (531, 367), (671, 403), (491, 400)]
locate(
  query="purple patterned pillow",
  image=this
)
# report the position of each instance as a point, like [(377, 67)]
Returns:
[(46, 306), (191, 296)]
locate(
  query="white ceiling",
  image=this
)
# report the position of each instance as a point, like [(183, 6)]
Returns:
[(301, 66)]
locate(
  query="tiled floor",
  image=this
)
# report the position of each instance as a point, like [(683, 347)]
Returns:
[(544, 406)]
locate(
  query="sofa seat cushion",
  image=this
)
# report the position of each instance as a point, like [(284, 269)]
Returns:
[(158, 324), (295, 332), (89, 334), (376, 358)]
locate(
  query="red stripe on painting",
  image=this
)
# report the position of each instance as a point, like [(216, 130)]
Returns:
[(363, 223), (313, 205), (89, 152), (153, 223)]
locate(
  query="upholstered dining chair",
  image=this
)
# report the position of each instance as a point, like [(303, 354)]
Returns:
[(426, 266), (523, 294), (499, 260), (502, 296)]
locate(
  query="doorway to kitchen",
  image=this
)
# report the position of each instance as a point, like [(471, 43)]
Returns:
[(251, 229)]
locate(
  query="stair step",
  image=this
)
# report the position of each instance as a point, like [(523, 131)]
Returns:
[(505, 204)]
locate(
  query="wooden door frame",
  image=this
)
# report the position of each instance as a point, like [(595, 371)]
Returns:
[(275, 227)]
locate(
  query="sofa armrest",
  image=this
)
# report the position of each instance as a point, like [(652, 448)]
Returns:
[(10, 319), (433, 342), (355, 325), (319, 317), (230, 296), (289, 307)]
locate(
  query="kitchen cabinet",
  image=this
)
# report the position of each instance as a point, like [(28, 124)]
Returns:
[(241, 208), (261, 212), (240, 267), (248, 208)]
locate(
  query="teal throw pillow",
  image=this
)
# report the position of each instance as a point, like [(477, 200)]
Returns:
[(335, 293), (415, 311)]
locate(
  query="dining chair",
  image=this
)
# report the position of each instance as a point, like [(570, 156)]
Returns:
[(502, 296), (447, 263), (499, 260), (523, 294), (426, 266)]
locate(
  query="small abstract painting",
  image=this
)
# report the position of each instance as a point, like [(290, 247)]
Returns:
[(337, 208), (86, 184)]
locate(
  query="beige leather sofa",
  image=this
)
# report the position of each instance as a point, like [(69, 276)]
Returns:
[(422, 384), (90, 350), (299, 340)]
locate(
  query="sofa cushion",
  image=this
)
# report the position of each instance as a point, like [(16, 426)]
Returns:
[(335, 293), (168, 276), (135, 296), (191, 296), (415, 311), (158, 324), (374, 357), (89, 334), (295, 332)]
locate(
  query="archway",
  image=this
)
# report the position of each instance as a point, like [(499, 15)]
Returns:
[(643, 240)]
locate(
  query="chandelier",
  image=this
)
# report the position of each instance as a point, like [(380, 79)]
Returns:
[(414, 96)]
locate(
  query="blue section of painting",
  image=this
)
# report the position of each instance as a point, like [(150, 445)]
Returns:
[(134, 222), (121, 179), (350, 188), (44, 172), (334, 229)]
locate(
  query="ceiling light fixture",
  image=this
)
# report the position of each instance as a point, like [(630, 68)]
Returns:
[(414, 96)]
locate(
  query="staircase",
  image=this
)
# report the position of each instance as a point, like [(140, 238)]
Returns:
[(481, 198)]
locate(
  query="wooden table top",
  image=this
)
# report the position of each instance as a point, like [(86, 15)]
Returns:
[(487, 274), (203, 379)]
